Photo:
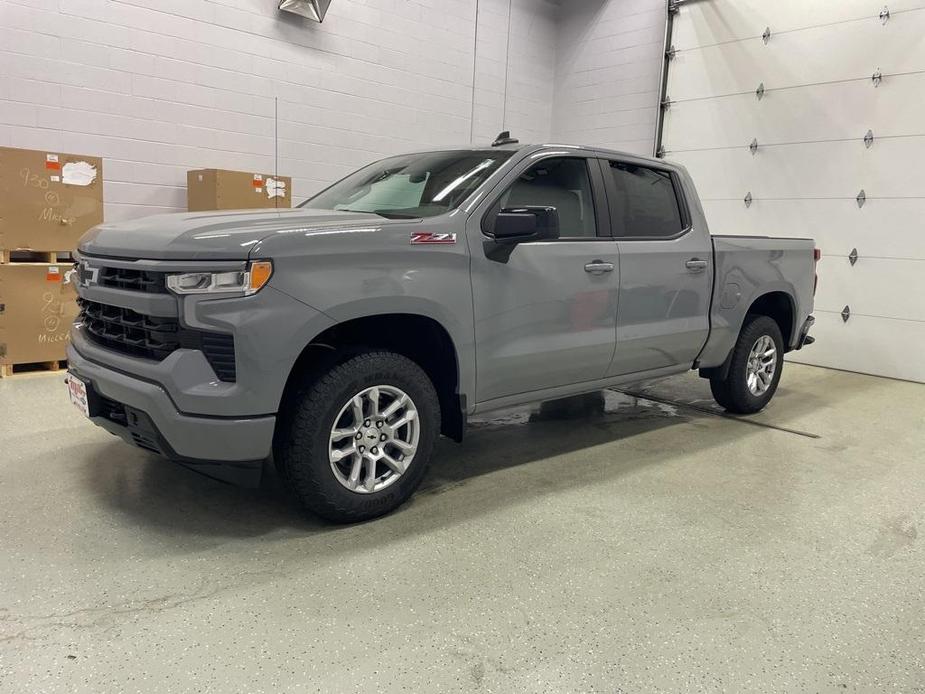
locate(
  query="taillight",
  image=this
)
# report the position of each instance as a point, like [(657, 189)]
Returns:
[(817, 255)]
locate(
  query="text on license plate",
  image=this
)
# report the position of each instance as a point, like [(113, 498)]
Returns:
[(77, 390)]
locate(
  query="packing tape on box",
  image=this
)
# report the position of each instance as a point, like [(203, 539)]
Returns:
[(78, 173), (276, 188)]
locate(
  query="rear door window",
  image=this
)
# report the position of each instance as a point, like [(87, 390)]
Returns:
[(643, 202)]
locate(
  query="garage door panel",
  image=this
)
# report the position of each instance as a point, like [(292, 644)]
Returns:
[(892, 168), (811, 160), (825, 112), (715, 21), (878, 346), (882, 228), (884, 287), (816, 55)]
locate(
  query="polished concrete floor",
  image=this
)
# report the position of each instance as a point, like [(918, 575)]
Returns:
[(649, 546)]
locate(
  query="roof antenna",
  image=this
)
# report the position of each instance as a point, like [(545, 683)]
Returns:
[(504, 138)]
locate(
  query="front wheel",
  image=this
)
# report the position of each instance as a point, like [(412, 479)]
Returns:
[(755, 369), (356, 442)]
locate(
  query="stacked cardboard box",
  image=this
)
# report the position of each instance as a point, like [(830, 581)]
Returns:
[(37, 308), (47, 201), (219, 189)]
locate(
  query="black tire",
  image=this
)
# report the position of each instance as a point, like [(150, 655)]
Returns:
[(301, 446), (733, 392)]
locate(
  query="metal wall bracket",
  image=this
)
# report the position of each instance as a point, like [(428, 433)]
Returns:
[(753, 146), (846, 314), (671, 52), (853, 256), (760, 91), (861, 198), (884, 15), (877, 77), (766, 36), (660, 152), (748, 199), (666, 104), (869, 139), (673, 6)]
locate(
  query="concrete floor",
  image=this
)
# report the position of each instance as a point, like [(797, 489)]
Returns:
[(650, 547)]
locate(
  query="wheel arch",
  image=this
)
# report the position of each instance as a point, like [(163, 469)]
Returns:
[(779, 305), (418, 336)]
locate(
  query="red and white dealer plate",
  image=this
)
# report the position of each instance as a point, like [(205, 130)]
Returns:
[(77, 390)]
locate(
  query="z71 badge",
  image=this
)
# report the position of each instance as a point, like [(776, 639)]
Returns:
[(430, 237)]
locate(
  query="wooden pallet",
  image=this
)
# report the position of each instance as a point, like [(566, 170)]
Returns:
[(7, 370), (26, 256)]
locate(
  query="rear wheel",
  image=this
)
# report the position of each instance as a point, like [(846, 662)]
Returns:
[(357, 440), (755, 369)]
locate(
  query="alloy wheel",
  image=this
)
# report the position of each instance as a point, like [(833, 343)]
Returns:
[(761, 365), (373, 439)]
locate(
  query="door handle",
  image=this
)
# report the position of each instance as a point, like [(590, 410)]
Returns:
[(696, 265), (598, 267)]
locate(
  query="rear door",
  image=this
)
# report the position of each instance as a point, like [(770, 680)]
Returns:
[(666, 272), (546, 315)]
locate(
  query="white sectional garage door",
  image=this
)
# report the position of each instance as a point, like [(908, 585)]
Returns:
[(814, 71)]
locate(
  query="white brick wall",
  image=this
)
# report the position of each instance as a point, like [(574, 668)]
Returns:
[(526, 69), (157, 87), (607, 73)]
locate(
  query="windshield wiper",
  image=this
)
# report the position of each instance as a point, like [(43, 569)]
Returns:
[(396, 215), (383, 213)]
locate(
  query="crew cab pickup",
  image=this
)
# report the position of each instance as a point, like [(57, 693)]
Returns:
[(340, 338)]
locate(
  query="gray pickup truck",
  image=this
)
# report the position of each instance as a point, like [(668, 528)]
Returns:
[(340, 338)]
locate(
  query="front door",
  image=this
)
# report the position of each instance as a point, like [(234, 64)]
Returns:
[(545, 316)]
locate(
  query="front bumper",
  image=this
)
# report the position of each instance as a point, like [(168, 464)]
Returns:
[(269, 330), (154, 422)]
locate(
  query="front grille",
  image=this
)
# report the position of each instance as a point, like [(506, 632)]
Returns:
[(129, 332), (154, 337), (134, 280)]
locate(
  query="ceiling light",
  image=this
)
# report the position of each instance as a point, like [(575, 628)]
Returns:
[(313, 9)]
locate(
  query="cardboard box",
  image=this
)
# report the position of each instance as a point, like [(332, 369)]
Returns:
[(48, 199), (219, 189), (37, 307)]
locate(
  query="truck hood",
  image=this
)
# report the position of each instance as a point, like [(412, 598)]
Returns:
[(224, 235)]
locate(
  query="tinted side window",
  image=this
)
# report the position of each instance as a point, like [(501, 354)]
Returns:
[(560, 182), (644, 203)]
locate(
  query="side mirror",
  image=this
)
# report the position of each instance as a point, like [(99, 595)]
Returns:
[(514, 225)]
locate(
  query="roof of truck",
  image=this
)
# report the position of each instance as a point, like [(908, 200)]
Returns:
[(515, 147), (527, 145)]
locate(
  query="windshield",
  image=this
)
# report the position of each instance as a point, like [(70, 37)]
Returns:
[(412, 185)]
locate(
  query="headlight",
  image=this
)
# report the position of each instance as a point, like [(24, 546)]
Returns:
[(248, 282)]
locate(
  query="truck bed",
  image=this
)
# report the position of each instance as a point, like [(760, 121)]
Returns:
[(747, 268)]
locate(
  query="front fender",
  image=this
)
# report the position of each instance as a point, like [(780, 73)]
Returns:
[(366, 271)]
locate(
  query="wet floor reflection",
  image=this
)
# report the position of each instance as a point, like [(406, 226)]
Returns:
[(165, 497), (590, 406)]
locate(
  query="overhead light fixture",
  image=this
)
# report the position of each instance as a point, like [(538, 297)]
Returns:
[(313, 9)]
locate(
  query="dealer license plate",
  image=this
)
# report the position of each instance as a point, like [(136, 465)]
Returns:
[(77, 390)]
